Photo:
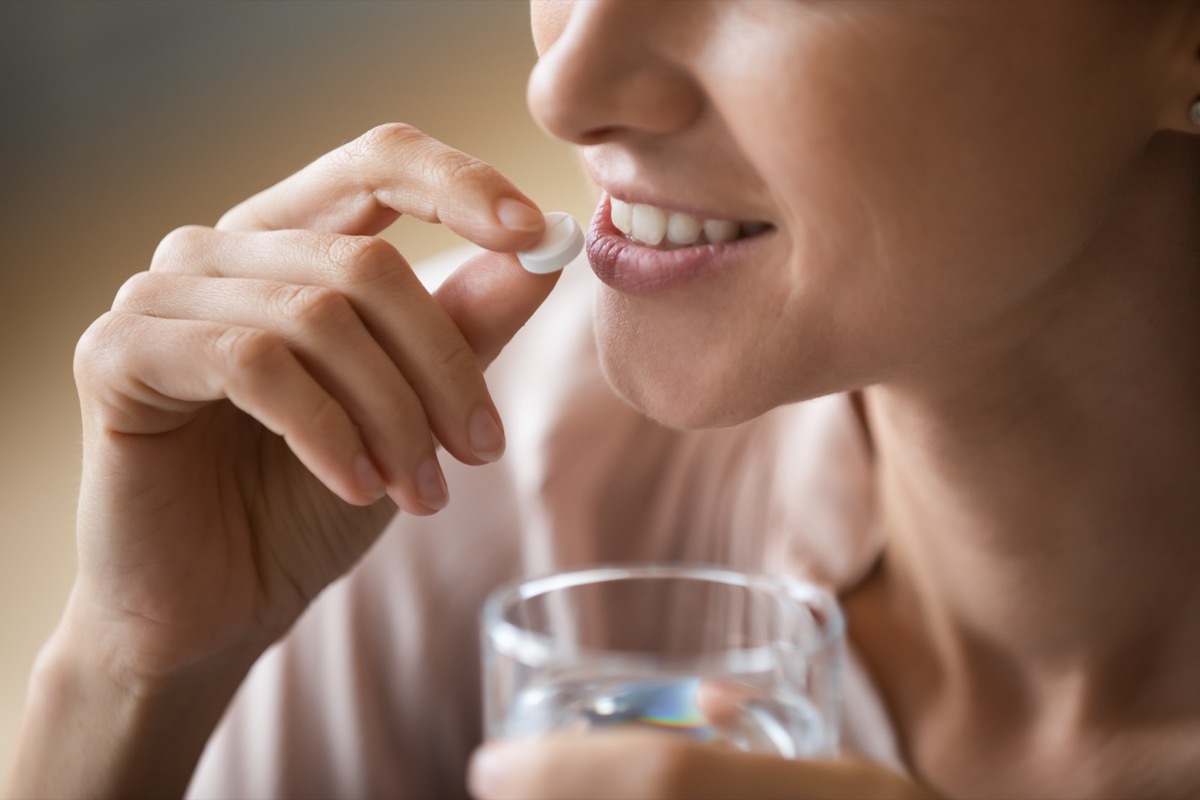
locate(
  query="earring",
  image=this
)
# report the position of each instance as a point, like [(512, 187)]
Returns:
[(1196, 112)]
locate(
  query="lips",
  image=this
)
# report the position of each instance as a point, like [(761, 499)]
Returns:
[(633, 267)]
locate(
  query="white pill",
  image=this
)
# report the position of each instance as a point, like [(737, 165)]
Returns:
[(559, 245)]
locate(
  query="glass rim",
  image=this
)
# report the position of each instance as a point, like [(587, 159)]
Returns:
[(539, 649)]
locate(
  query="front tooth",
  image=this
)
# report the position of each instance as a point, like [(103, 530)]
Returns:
[(622, 215), (720, 230), (683, 228), (649, 224)]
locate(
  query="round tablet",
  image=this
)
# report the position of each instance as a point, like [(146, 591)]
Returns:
[(559, 245)]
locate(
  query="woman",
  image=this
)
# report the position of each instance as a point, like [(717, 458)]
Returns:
[(938, 347)]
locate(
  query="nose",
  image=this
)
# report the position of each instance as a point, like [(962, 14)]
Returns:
[(615, 71)]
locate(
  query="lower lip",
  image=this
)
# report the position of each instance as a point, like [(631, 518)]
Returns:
[(631, 268)]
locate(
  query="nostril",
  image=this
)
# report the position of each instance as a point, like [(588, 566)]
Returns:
[(599, 135)]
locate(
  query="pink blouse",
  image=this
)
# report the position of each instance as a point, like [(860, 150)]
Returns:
[(376, 690)]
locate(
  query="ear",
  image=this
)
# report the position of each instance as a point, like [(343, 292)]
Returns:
[(1181, 111)]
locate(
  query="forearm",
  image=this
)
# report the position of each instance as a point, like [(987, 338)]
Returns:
[(88, 731)]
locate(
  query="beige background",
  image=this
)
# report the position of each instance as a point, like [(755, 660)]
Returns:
[(120, 121)]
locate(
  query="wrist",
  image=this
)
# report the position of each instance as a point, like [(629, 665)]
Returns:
[(94, 725), (146, 655), (101, 661)]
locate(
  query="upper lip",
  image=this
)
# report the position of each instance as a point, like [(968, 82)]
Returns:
[(640, 195), (641, 188)]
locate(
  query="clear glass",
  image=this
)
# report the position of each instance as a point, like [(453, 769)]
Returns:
[(750, 661)]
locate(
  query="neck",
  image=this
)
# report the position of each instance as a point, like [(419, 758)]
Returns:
[(1041, 488)]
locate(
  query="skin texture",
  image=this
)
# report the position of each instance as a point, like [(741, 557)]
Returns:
[(931, 167), (984, 223)]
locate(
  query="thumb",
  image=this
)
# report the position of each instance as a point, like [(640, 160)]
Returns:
[(490, 297), (621, 764)]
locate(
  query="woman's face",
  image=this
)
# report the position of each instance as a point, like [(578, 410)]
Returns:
[(928, 172)]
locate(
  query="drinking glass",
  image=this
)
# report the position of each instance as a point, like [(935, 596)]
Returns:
[(749, 661)]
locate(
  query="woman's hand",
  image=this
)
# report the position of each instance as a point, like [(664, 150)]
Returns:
[(654, 766), (255, 408), (249, 401)]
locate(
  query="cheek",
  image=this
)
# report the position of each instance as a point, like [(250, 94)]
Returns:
[(922, 204)]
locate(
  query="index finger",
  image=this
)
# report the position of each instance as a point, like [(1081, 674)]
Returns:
[(365, 185)]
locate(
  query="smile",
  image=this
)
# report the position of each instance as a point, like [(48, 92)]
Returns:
[(632, 248), (652, 226)]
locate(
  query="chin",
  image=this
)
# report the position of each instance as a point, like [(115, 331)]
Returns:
[(681, 395), (694, 363)]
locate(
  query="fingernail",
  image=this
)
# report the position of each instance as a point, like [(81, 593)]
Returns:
[(518, 216), (431, 485), (488, 773), (368, 477), (485, 436)]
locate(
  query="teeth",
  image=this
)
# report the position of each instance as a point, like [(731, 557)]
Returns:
[(683, 228), (622, 215), (651, 225), (721, 230)]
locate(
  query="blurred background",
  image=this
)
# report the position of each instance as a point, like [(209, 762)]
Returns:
[(122, 120)]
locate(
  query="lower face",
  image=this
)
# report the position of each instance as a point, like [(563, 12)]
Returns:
[(927, 172)]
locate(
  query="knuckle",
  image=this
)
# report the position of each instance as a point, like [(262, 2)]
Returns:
[(247, 350), (405, 413), (358, 260), (131, 295), (386, 138), (177, 245), (449, 355), (326, 417), (458, 168), (101, 337), (431, 157), (310, 307)]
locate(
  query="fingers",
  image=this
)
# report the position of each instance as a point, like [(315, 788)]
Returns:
[(394, 169), (404, 367), (487, 299), (648, 765), (293, 303), (252, 368), (321, 329), (421, 340), (491, 297)]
